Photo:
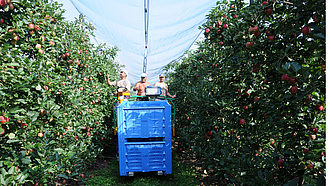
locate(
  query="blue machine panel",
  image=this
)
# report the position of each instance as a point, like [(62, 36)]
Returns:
[(144, 136)]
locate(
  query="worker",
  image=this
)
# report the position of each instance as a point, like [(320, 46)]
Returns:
[(122, 84), (161, 83), (140, 87)]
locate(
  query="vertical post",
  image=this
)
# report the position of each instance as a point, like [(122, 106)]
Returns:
[(146, 26)]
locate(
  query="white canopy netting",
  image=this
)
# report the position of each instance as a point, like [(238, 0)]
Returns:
[(149, 33)]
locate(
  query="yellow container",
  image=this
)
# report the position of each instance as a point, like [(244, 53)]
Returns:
[(123, 96)]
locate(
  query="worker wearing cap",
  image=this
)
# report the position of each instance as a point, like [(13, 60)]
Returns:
[(161, 83), (122, 84), (140, 87)]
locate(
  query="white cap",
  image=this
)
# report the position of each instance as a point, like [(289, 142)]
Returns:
[(143, 75), (124, 72)]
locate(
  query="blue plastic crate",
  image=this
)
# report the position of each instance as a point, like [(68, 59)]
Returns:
[(144, 137), (144, 119), (145, 157)]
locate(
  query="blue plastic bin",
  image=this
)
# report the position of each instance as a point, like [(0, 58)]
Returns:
[(144, 137)]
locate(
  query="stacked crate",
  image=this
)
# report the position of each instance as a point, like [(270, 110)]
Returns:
[(144, 137)]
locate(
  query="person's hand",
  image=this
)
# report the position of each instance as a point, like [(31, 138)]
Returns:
[(107, 76), (174, 96)]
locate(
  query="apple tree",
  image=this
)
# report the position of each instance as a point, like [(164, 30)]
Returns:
[(251, 98), (54, 98)]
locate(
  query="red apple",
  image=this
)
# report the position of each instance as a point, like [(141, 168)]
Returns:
[(81, 88), (251, 29), (88, 134), (207, 30), (312, 136), (51, 42), (319, 107), (245, 107), (42, 112), (11, 6), (16, 38), (272, 141), (270, 38), (31, 26), (232, 6), (257, 33), (82, 176), (3, 131), (294, 89), (102, 138), (40, 134), (306, 151), (70, 77), (292, 81), (322, 154), (242, 121), (256, 99), (225, 26), (264, 3), (269, 11), (41, 51), (235, 16), (2, 119), (1, 21), (3, 3), (210, 133), (220, 43), (306, 30), (37, 28), (85, 79), (285, 77), (280, 162), (255, 28), (314, 130)]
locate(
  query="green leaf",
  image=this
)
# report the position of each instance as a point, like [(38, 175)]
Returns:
[(2, 180), (293, 182), (12, 141), (11, 170), (260, 175), (26, 160), (63, 176), (296, 66), (16, 110), (13, 64), (59, 150)]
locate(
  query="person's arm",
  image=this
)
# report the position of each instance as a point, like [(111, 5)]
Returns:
[(136, 86), (108, 80), (168, 93), (156, 84)]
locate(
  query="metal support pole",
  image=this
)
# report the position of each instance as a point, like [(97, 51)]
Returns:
[(146, 27)]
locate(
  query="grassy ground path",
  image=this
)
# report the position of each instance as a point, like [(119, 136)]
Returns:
[(108, 174)]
